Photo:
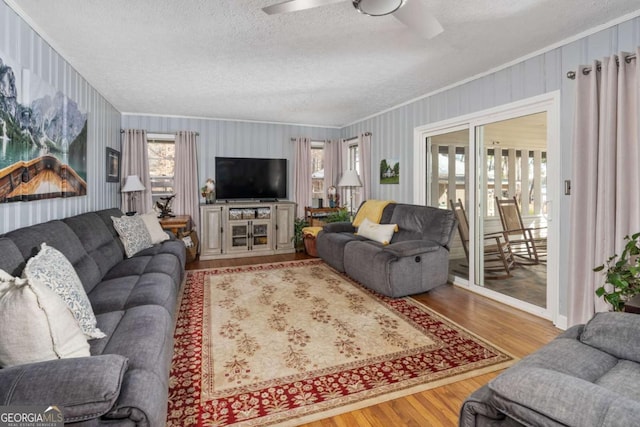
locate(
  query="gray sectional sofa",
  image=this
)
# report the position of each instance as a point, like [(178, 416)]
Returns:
[(415, 260), (587, 376), (125, 380)]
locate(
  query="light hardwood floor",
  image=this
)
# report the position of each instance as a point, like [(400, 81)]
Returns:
[(513, 330)]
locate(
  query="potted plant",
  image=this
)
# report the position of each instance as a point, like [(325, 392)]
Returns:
[(622, 275), (298, 238), (340, 216)]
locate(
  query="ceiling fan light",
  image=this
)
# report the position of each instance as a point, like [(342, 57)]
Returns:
[(377, 7)]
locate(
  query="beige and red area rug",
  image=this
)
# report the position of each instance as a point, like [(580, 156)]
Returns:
[(293, 342)]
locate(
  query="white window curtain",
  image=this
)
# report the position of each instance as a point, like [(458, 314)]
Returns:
[(302, 175), (605, 202), (187, 198), (135, 161), (333, 163), (364, 146)]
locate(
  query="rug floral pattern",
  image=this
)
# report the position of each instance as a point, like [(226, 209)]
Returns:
[(281, 343)]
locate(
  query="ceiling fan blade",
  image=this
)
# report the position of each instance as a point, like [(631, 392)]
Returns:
[(296, 5), (415, 15)]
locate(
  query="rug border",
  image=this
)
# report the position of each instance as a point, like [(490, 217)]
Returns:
[(319, 413)]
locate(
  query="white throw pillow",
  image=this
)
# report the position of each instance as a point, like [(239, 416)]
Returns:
[(51, 269), (154, 228), (36, 324), (133, 233), (379, 232)]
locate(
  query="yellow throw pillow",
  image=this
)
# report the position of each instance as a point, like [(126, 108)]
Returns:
[(381, 233)]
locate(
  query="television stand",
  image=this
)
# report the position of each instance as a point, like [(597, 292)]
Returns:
[(233, 229)]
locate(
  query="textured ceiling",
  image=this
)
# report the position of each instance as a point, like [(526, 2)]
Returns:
[(326, 66)]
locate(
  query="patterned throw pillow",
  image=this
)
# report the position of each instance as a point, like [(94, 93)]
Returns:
[(51, 269), (36, 324), (133, 233)]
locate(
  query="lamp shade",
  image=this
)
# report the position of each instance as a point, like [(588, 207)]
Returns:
[(132, 183), (350, 178)]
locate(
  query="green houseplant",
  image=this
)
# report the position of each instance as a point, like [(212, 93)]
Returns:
[(622, 275), (298, 225), (340, 216)]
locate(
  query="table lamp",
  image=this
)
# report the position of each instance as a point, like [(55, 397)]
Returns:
[(132, 185)]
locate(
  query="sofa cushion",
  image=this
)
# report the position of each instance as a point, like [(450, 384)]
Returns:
[(144, 335), (133, 234), (11, 260), (165, 263), (83, 397), (105, 215), (525, 392), (614, 333), (381, 233), (36, 324), (60, 236), (175, 248), (623, 379), (423, 223), (122, 293), (50, 268), (101, 243), (571, 357)]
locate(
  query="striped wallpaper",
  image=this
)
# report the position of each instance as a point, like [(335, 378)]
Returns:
[(392, 131), (20, 44)]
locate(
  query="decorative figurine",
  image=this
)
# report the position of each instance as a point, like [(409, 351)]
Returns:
[(209, 191), (165, 208), (334, 197)]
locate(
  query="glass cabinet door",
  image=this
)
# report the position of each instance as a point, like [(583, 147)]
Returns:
[(260, 235), (239, 236)]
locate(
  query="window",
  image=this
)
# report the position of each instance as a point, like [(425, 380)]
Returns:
[(161, 150), (353, 163), (317, 170), (353, 157)]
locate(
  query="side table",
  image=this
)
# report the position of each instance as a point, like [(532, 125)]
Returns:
[(633, 305), (314, 216), (176, 223)]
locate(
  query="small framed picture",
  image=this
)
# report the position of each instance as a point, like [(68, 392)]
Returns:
[(389, 171), (113, 165)]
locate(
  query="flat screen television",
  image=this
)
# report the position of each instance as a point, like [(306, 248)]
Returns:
[(250, 178)]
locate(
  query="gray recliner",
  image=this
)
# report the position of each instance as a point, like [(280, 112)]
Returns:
[(587, 376), (415, 261)]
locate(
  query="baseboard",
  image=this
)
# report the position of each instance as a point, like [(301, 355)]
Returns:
[(561, 322)]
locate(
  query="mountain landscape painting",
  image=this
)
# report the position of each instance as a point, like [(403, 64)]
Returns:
[(43, 140)]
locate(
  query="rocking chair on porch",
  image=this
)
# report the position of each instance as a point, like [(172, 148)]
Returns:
[(528, 244), (497, 253)]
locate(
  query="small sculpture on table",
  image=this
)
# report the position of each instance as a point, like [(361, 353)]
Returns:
[(165, 208)]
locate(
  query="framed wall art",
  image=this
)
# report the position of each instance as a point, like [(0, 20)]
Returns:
[(113, 165)]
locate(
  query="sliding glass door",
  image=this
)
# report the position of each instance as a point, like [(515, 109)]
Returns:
[(449, 155), (484, 164), (512, 160)]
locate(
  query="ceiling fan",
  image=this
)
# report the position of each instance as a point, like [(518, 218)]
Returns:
[(412, 13)]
